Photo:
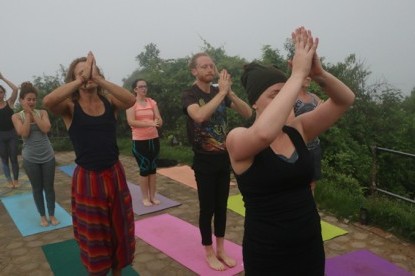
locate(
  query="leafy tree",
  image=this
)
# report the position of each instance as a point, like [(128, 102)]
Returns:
[(273, 56), (46, 84), (167, 78)]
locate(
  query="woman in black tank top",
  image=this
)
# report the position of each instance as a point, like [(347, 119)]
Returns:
[(8, 136), (273, 167), (99, 185)]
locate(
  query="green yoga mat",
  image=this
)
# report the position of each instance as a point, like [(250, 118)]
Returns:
[(64, 259), (328, 231)]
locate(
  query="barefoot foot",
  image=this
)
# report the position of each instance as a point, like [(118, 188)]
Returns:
[(155, 201), (10, 185), (44, 222), (54, 221), (16, 184), (214, 263), (147, 202), (226, 259)]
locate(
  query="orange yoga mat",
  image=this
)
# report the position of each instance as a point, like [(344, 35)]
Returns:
[(183, 174)]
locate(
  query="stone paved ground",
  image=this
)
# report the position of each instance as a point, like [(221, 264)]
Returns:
[(24, 256)]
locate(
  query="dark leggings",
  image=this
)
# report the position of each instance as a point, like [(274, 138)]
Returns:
[(146, 153), (213, 191), (8, 150), (41, 178)]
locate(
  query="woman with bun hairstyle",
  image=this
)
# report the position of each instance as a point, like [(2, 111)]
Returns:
[(37, 153)]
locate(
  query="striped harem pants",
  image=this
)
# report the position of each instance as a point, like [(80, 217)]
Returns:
[(103, 218)]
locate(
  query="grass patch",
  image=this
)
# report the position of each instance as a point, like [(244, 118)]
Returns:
[(343, 196), (393, 215)]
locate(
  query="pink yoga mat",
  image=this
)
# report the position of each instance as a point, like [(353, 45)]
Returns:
[(362, 263), (180, 240)]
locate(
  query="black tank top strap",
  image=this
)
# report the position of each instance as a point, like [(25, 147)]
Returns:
[(296, 138)]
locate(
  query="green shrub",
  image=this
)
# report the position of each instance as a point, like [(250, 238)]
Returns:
[(180, 153), (393, 215), (342, 196)]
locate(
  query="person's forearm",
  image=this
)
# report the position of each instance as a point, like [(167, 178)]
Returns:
[(10, 84), (124, 96), (205, 111), (61, 93), (240, 106), (14, 88), (139, 124), (43, 124), (338, 92), (275, 115)]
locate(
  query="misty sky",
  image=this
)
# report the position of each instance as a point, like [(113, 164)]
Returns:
[(37, 36)]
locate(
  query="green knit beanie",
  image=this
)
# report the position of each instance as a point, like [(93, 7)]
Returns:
[(256, 78)]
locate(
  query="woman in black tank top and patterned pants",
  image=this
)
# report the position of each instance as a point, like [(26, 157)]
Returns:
[(103, 218)]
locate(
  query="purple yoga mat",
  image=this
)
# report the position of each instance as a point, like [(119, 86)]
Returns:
[(140, 209), (362, 263), (181, 241)]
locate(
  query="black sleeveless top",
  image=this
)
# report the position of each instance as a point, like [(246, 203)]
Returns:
[(6, 113), (94, 138), (282, 225)]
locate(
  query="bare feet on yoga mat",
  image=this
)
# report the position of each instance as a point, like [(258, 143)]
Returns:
[(226, 259), (10, 185), (43, 221), (214, 263), (155, 201), (212, 260), (54, 221), (16, 184), (147, 202)]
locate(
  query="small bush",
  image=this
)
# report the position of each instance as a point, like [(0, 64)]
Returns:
[(393, 215), (343, 196)]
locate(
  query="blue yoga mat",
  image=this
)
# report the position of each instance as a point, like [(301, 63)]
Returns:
[(68, 169), (22, 210)]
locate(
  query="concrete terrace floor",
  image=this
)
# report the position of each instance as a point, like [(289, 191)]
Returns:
[(24, 256)]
